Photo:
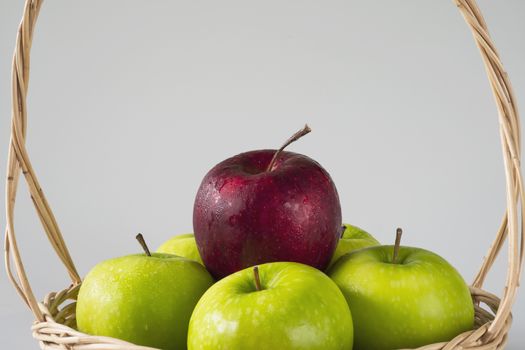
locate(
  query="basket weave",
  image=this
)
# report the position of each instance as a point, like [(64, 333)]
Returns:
[(55, 323)]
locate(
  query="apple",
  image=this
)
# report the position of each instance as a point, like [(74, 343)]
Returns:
[(144, 299), (352, 238), (182, 245), (280, 305), (265, 206), (403, 297)]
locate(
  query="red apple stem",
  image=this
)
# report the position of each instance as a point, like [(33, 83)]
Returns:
[(399, 233), (293, 138), (257, 278), (142, 242)]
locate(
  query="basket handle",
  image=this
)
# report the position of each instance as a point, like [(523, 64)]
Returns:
[(509, 121), (18, 161), (511, 227)]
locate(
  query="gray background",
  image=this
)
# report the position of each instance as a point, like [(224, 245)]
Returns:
[(131, 102)]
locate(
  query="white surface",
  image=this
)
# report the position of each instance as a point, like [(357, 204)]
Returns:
[(395, 91)]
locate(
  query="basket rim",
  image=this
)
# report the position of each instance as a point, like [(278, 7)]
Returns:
[(58, 326)]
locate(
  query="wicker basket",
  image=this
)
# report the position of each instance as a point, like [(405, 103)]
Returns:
[(55, 323)]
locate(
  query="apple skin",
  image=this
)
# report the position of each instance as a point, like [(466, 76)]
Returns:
[(244, 215), (419, 300), (298, 308), (353, 238), (144, 300), (182, 245)]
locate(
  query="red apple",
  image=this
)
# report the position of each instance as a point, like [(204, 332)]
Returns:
[(248, 213)]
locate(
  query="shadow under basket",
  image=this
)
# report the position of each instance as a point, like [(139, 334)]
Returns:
[(55, 323)]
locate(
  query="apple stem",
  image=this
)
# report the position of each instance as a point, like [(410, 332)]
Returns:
[(293, 138), (142, 242), (399, 233), (257, 279), (343, 229)]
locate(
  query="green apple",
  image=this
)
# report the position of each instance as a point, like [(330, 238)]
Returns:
[(182, 245), (352, 238), (146, 300), (291, 306), (406, 301)]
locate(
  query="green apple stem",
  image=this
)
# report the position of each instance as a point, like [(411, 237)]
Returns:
[(142, 242), (257, 278), (399, 233), (343, 229), (293, 138)]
